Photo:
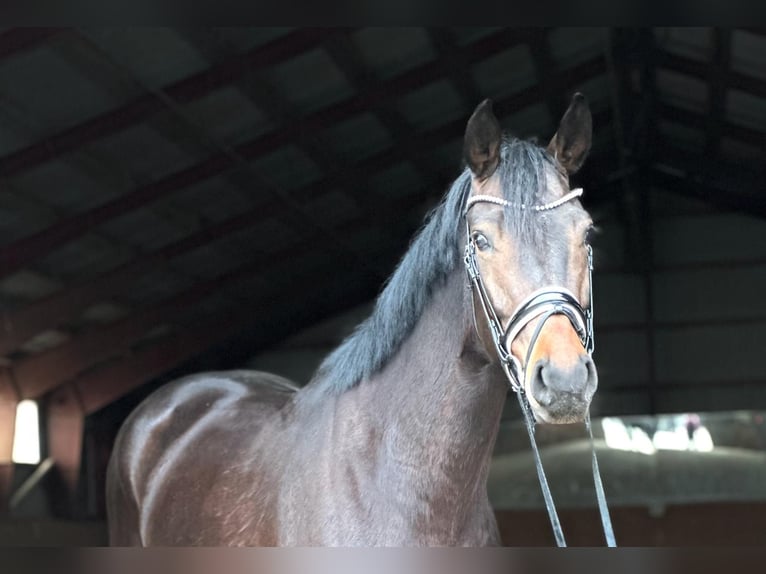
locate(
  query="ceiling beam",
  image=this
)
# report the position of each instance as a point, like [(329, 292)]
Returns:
[(64, 306), (145, 106), (40, 373), (90, 162), (22, 324), (22, 252)]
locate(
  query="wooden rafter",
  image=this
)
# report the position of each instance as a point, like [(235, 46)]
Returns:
[(26, 250), (63, 306), (41, 373), (145, 106)]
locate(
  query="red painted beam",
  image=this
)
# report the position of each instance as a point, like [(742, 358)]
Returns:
[(143, 107), (64, 306), (25, 250), (38, 374)]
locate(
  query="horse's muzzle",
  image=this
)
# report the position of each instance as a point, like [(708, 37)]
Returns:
[(563, 394)]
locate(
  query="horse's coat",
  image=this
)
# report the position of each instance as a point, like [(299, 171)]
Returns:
[(390, 443)]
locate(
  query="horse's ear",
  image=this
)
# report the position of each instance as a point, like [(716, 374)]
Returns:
[(481, 146), (571, 144)]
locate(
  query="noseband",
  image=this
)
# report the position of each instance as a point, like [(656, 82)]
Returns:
[(542, 304)]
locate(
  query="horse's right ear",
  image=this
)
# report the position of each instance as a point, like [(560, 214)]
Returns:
[(481, 147)]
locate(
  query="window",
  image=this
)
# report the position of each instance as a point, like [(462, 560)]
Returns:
[(26, 438)]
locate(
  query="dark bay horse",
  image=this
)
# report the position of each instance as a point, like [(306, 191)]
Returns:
[(390, 442)]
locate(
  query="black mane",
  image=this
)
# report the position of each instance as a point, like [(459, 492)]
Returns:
[(432, 255)]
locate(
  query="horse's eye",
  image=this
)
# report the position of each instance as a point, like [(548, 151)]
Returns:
[(481, 241)]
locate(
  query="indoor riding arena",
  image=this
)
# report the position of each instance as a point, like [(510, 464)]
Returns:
[(177, 201)]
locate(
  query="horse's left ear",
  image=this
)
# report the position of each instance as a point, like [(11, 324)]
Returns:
[(571, 144)]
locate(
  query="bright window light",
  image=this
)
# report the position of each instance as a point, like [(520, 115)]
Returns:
[(620, 437), (683, 433), (26, 438)]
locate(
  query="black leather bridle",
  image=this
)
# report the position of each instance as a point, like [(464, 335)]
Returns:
[(542, 304)]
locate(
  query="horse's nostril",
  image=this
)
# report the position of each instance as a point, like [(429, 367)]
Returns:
[(591, 380), (548, 380), (540, 389)]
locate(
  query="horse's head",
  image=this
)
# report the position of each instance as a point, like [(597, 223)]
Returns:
[(527, 235)]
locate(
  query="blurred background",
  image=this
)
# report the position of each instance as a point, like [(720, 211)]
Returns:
[(175, 200)]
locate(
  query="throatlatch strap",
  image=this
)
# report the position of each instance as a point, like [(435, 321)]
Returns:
[(603, 509), (553, 516)]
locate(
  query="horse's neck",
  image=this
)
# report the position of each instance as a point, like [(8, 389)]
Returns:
[(438, 405)]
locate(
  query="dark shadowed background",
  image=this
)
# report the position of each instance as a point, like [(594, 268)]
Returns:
[(177, 200)]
